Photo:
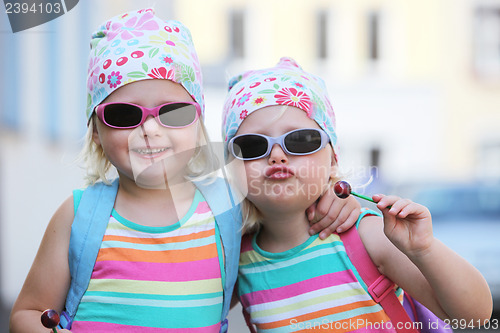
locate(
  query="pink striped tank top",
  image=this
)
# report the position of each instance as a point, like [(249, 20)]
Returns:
[(312, 287), (156, 279)]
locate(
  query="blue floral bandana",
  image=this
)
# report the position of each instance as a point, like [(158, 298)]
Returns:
[(285, 84), (137, 46)]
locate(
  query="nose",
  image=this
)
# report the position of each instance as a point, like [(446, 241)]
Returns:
[(277, 155), (150, 126)]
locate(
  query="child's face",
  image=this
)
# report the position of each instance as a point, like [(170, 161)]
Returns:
[(301, 180), (151, 153)]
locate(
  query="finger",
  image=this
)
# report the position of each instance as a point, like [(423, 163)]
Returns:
[(324, 204), (386, 201), (344, 215), (377, 197), (328, 210), (350, 221), (412, 208), (316, 223), (398, 206), (315, 228), (329, 220), (328, 231), (311, 212), (346, 218)]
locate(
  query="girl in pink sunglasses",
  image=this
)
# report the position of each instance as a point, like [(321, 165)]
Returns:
[(157, 247)]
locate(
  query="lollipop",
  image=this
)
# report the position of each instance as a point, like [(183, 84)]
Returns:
[(50, 319), (343, 190)]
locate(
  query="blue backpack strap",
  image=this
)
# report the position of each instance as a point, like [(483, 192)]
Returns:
[(87, 231), (226, 209)]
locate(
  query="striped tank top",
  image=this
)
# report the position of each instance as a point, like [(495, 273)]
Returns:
[(313, 287), (156, 279)]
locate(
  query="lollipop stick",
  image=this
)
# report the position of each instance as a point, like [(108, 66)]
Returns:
[(366, 198), (362, 196), (343, 189)]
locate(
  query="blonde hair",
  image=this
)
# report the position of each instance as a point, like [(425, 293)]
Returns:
[(201, 166), (252, 219)]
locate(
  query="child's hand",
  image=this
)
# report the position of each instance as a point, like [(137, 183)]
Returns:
[(408, 225), (332, 214)]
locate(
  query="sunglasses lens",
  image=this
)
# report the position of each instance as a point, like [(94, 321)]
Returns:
[(178, 114), (122, 115), (303, 141), (249, 146)]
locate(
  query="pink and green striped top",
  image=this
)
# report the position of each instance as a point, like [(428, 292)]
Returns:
[(156, 279), (312, 287)]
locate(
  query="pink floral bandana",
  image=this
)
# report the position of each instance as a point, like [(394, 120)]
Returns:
[(137, 46), (285, 84)]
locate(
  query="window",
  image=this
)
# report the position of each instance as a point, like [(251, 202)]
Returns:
[(237, 31), (51, 106), (487, 42), (9, 106), (373, 36), (322, 35)]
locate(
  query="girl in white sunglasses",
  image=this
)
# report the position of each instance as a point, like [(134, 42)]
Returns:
[(279, 130)]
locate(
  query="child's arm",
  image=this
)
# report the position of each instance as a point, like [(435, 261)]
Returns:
[(234, 299), (332, 214), (404, 249), (48, 280)]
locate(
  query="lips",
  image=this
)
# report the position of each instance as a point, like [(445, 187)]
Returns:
[(149, 152), (279, 172)]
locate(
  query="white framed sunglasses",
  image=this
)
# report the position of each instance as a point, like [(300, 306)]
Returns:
[(303, 141)]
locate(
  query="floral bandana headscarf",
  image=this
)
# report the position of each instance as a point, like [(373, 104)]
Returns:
[(136, 46), (285, 84)]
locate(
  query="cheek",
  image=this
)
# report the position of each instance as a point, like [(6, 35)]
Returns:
[(113, 138), (186, 138), (315, 170), (254, 177), (237, 175), (246, 176), (253, 171)]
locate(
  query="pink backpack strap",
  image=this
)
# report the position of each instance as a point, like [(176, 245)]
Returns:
[(380, 287)]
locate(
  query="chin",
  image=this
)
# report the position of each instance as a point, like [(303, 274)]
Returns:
[(282, 199), (148, 182), (158, 176)]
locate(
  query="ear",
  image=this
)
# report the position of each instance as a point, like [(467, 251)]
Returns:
[(333, 167), (95, 132)]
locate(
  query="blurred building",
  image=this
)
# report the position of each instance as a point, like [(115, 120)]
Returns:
[(417, 81), (416, 84)]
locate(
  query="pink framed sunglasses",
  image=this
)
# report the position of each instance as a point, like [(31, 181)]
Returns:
[(128, 115)]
